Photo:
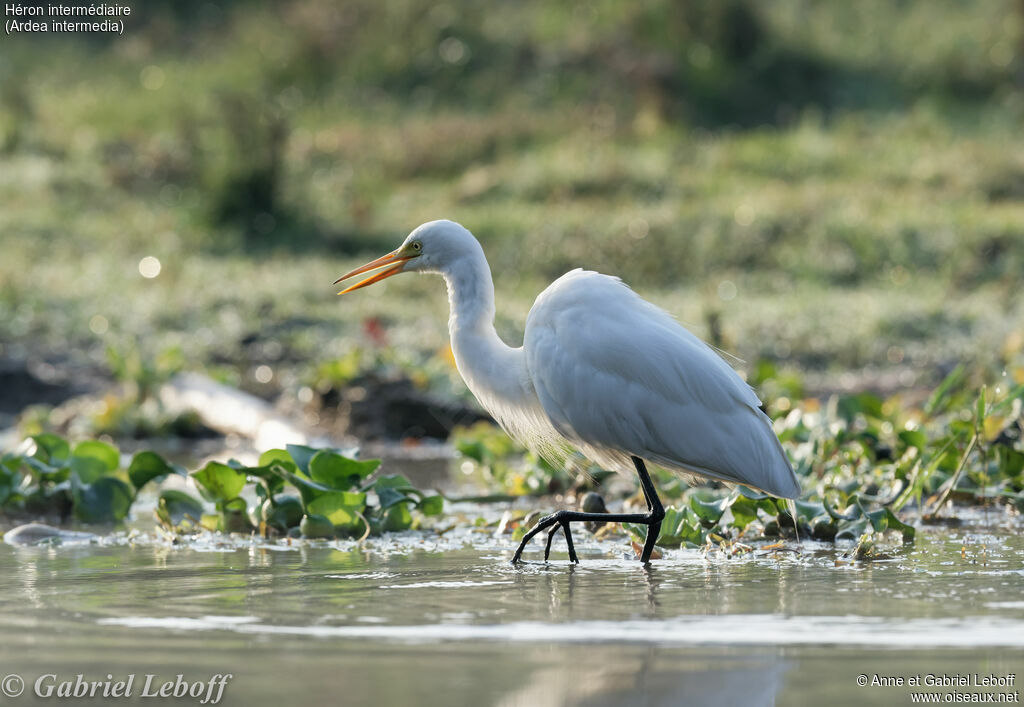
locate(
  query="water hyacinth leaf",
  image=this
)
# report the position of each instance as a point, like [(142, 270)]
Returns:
[(342, 508), (388, 497), (107, 500), (234, 517), (42, 468), (309, 490), (398, 518), (336, 471), (394, 481), (750, 493), (432, 505), (218, 482), (744, 510), (92, 459), (146, 466), (686, 530), (852, 529), (88, 469), (10, 463), (105, 453), (316, 526), (271, 482), (709, 511), (883, 519), (275, 455), (807, 511), (301, 455), (178, 505), (51, 448), (283, 512), (680, 526), (853, 511)]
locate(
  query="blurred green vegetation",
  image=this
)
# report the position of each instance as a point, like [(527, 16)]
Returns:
[(823, 185)]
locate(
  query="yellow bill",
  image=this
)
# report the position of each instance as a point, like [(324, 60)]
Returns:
[(396, 259)]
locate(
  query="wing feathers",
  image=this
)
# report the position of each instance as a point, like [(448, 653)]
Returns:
[(614, 372)]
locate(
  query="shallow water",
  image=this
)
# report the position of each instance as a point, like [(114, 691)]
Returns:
[(416, 619)]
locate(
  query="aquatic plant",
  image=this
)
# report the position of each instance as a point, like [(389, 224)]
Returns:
[(87, 482)]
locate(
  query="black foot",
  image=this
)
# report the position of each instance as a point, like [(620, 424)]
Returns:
[(561, 520)]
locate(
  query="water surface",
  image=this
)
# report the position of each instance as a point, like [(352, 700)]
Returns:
[(417, 619)]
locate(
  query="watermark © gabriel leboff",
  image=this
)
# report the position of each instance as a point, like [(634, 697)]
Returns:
[(204, 692)]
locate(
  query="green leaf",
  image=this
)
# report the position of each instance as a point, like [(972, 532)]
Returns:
[(271, 482), (275, 455), (851, 529), (750, 493), (808, 510), (336, 471), (53, 447), (432, 505), (145, 467), (105, 453), (308, 489), (43, 468), (474, 449), (709, 511), (393, 481), (301, 455), (283, 512), (92, 460), (178, 504), (398, 518), (893, 523), (314, 526), (744, 510), (340, 507), (388, 497), (219, 482), (88, 469), (108, 500), (853, 512)]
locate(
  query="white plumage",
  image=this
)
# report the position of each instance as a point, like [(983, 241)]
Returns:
[(601, 371), (619, 377)]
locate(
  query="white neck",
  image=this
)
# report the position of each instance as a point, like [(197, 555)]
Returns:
[(494, 371), (470, 295)]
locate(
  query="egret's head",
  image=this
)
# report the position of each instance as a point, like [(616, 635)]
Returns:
[(432, 247)]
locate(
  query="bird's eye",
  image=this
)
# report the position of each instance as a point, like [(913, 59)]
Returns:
[(416, 246)]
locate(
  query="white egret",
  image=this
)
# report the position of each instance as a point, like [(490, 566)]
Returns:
[(601, 371)]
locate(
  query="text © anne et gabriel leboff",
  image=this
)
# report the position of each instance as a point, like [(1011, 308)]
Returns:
[(36, 19)]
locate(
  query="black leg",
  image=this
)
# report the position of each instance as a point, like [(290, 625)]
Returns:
[(561, 519), (655, 510), (551, 535)]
